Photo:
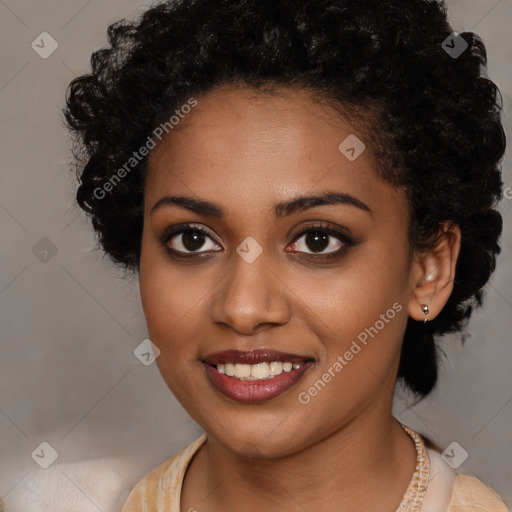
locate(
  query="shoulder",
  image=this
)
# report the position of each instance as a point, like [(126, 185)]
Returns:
[(471, 495), (161, 487), (449, 491)]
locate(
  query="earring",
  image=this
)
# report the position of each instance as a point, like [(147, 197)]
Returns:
[(425, 310)]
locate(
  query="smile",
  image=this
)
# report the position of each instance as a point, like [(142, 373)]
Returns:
[(254, 376), (259, 371)]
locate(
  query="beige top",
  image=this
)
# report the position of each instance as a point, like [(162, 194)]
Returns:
[(160, 489)]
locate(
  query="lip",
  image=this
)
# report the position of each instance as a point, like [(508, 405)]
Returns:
[(253, 357), (254, 391)]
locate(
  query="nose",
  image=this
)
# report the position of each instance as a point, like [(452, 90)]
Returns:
[(251, 296)]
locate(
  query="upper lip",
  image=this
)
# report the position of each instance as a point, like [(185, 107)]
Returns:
[(253, 357)]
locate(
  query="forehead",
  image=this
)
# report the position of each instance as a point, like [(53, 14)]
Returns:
[(247, 147)]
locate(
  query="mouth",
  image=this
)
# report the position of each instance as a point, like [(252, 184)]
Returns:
[(256, 375)]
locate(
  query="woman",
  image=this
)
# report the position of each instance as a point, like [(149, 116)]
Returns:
[(306, 190)]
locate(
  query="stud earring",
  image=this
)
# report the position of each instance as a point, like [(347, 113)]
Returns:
[(425, 310)]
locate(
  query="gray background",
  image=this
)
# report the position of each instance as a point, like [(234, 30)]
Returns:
[(69, 325)]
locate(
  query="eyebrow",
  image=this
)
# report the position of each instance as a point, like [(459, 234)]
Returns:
[(280, 210)]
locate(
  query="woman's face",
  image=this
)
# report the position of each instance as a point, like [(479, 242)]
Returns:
[(271, 277)]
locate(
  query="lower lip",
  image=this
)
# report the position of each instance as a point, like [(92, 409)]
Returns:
[(254, 391)]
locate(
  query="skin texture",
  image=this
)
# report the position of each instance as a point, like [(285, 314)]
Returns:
[(248, 151)]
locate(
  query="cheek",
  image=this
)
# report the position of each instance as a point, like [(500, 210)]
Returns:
[(173, 300), (172, 304), (362, 316), (352, 299)]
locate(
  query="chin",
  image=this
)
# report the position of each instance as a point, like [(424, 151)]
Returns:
[(258, 441)]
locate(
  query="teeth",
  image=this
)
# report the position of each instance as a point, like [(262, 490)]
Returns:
[(276, 367), (259, 371), (242, 370)]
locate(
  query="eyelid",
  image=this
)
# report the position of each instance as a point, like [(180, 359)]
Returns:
[(338, 232), (187, 226)]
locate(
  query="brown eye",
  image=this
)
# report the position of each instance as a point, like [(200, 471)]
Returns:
[(189, 239), (322, 242), (317, 242), (192, 240)]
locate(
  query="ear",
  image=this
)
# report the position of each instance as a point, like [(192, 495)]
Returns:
[(433, 273)]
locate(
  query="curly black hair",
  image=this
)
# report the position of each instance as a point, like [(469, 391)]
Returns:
[(432, 116)]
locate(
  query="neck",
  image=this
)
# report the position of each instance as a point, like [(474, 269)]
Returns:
[(366, 465)]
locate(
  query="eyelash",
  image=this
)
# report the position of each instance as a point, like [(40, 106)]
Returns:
[(191, 228)]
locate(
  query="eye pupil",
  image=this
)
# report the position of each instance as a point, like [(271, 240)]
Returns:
[(193, 240), (317, 241)]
